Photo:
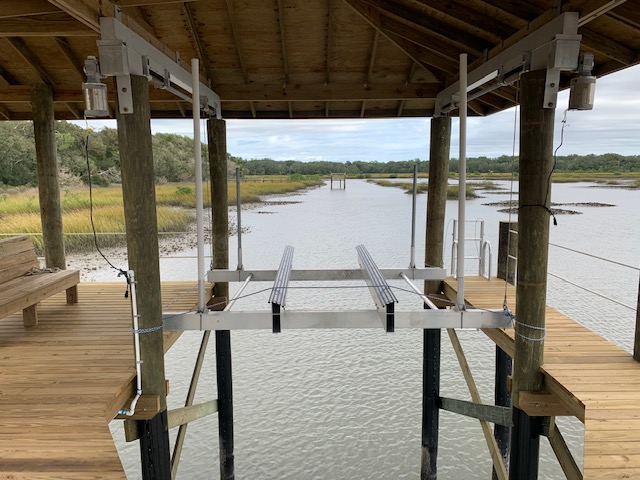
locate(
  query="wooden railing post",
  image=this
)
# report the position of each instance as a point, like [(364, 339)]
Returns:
[(507, 247)]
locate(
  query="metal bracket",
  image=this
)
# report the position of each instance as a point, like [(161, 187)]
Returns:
[(554, 47), (278, 296), (380, 290), (123, 52)]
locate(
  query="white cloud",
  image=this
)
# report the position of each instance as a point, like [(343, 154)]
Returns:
[(612, 126)]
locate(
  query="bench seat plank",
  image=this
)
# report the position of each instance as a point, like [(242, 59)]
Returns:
[(23, 292)]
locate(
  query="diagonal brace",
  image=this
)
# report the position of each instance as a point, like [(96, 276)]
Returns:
[(490, 413)]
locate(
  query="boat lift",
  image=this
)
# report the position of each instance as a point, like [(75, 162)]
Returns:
[(427, 316)]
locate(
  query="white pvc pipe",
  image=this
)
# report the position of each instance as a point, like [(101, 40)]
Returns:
[(414, 192), (195, 76), (239, 218), (462, 179), (131, 280)]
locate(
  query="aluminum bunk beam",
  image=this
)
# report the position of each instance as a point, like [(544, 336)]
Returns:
[(380, 290), (278, 296)]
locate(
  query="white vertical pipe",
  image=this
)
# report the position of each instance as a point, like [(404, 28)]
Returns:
[(239, 215), (412, 261), (195, 76), (462, 179)]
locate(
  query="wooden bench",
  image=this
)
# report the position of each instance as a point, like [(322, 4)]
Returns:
[(20, 290)]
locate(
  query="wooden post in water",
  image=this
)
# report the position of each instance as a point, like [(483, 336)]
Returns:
[(535, 167), (47, 167), (436, 203), (636, 343), (507, 246), (138, 191), (217, 136)]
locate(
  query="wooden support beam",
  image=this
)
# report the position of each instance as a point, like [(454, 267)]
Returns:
[(439, 152), (148, 406), (535, 168), (138, 189), (491, 413), (191, 394), (146, 3), (627, 15), (217, 136), (563, 454), (330, 92), (543, 404), (5, 113), (410, 73), (608, 47), (593, 9), (494, 451), (26, 53), (448, 33), (193, 29), (283, 43), (183, 111), (44, 26), (330, 10), (636, 339), (48, 185), (26, 8), (75, 111), (184, 415), (372, 61), (502, 397), (6, 77), (431, 360), (68, 52), (416, 53)]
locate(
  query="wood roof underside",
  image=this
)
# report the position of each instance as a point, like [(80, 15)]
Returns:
[(299, 58)]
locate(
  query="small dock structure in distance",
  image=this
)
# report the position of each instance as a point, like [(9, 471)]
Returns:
[(340, 179), (585, 376)]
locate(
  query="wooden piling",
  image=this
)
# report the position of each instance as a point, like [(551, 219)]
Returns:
[(47, 167), (507, 247), (138, 189), (502, 398), (636, 343), (217, 136), (436, 203), (437, 195), (535, 168)]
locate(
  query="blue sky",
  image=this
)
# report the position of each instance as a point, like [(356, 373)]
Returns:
[(612, 126)]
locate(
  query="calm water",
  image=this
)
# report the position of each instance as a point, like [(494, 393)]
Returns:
[(347, 404)]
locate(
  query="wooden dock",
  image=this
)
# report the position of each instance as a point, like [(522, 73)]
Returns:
[(62, 382), (586, 375)]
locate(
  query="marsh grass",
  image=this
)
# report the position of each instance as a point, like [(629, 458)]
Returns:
[(20, 212), (452, 190)]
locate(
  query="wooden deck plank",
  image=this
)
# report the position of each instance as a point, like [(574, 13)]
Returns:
[(61, 383), (596, 380)]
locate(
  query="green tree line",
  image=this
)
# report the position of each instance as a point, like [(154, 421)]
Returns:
[(173, 158)]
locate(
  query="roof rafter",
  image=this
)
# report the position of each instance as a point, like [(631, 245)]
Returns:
[(410, 73), (463, 12), (44, 26), (25, 52), (608, 47), (372, 60), (283, 42), (66, 50), (23, 8), (193, 30), (418, 54), (145, 3), (328, 50), (4, 112), (7, 77), (448, 33), (239, 49)]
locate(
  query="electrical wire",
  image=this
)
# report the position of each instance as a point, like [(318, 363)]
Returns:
[(120, 271)]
